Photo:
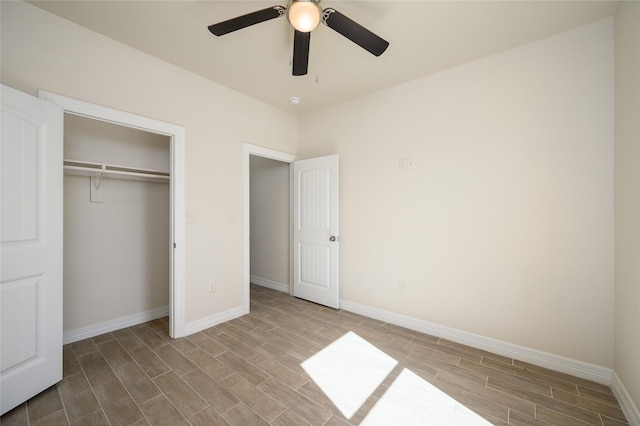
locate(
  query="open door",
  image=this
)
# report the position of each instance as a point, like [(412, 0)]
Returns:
[(31, 243), (315, 230)]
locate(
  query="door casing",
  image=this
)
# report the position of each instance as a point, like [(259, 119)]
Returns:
[(177, 286)]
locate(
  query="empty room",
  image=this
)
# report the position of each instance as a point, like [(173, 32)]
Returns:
[(397, 212)]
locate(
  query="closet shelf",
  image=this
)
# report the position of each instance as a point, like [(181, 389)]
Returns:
[(85, 168)]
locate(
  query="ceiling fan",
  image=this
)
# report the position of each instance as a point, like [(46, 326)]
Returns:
[(304, 16)]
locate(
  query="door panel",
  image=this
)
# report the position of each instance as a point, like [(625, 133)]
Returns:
[(315, 230), (316, 265), (19, 320), (19, 163), (31, 247)]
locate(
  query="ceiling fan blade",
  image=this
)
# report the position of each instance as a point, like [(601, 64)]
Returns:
[(224, 27), (301, 43), (354, 31)]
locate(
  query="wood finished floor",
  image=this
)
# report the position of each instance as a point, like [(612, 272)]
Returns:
[(247, 372)]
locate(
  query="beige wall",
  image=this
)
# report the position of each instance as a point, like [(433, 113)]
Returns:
[(627, 197), (101, 142), (116, 258), (504, 227), (270, 255), (41, 51), (116, 253)]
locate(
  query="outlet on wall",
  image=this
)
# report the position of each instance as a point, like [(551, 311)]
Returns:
[(191, 218), (407, 164), (233, 217), (212, 286)]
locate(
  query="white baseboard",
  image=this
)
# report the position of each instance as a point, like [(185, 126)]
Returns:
[(213, 320), (113, 325), (553, 362), (273, 285), (629, 408)]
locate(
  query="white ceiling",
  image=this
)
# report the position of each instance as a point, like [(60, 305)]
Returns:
[(425, 37)]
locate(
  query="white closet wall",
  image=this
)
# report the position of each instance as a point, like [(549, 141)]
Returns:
[(116, 252), (269, 198)]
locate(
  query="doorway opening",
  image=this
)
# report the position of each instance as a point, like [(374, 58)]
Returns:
[(176, 244), (270, 223), (267, 212)]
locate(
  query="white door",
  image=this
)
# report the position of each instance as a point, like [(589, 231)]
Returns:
[(315, 230), (31, 247)]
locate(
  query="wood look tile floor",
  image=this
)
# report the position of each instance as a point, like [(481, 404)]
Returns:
[(247, 372)]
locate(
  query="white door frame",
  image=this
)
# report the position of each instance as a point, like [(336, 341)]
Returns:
[(177, 325), (249, 150)]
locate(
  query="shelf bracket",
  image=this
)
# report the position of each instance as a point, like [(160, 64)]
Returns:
[(96, 187)]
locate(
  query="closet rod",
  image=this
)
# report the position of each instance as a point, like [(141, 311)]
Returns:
[(92, 169)]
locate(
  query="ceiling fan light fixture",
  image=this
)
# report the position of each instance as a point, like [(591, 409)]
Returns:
[(304, 15)]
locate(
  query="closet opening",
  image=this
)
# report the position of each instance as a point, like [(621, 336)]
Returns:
[(103, 174), (116, 225)]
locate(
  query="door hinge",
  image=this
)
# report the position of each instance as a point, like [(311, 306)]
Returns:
[(174, 245)]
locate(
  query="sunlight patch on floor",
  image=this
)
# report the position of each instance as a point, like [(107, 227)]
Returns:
[(411, 400), (348, 371)]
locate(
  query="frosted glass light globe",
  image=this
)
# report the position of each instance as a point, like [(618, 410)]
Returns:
[(304, 15)]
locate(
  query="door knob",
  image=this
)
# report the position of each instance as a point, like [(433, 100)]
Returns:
[(332, 238)]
